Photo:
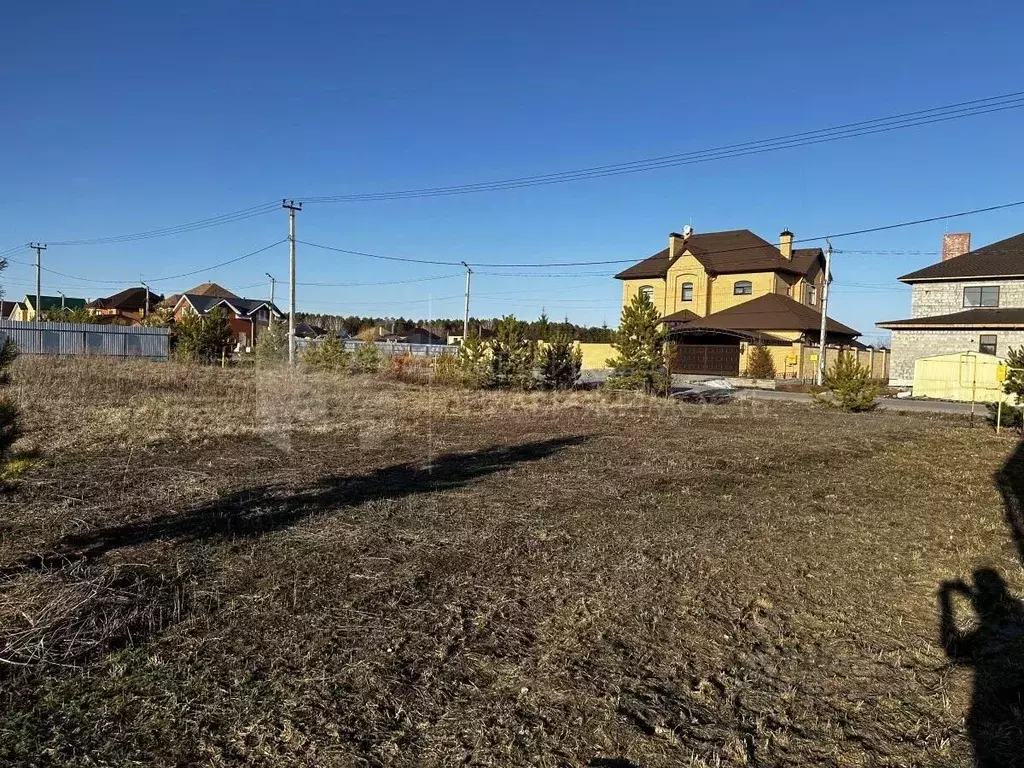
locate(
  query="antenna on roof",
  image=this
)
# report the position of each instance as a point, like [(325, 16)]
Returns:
[(687, 231)]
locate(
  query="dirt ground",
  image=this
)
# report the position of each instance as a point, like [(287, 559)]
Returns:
[(245, 568)]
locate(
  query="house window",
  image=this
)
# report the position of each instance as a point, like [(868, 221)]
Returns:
[(987, 343), (812, 294), (648, 291), (742, 288), (687, 291), (982, 296)]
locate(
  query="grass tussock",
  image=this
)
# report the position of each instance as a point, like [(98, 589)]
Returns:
[(244, 567)]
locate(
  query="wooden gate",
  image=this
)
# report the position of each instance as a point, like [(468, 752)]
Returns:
[(711, 359)]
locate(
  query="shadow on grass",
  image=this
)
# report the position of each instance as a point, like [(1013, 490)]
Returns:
[(994, 645), (264, 509)]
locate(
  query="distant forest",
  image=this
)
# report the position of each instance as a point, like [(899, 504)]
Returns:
[(541, 329)]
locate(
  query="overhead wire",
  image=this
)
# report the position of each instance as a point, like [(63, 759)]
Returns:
[(716, 252), (900, 121), (213, 221)]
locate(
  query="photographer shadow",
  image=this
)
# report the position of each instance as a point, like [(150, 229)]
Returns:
[(993, 645)]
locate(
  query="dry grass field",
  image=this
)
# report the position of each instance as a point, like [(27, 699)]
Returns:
[(237, 568)]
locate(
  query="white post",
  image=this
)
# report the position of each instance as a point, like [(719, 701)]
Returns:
[(465, 318), (820, 378), (292, 208)]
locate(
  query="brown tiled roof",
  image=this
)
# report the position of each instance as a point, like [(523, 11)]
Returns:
[(737, 250), (1000, 259), (130, 300), (211, 289), (682, 316), (1009, 317), (771, 312)]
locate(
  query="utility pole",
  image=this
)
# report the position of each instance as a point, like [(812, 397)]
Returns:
[(292, 207), (273, 283), (146, 312), (820, 378), (63, 301), (39, 247), (465, 317)]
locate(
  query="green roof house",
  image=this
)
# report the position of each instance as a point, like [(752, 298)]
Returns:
[(26, 310)]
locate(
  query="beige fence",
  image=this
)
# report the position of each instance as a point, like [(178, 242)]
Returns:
[(792, 361), (968, 377)]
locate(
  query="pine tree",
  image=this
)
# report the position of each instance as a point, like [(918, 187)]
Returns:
[(760, 364), (543, 326), (474, 364), (512, 355), (328, 355), (639, 342), (560, 362), (162, 317), (202, 340), (849, 386), (10, 416), (368, 358), (272, 345), (78, 315)]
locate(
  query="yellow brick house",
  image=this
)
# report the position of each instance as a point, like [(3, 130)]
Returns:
[(718, 291)]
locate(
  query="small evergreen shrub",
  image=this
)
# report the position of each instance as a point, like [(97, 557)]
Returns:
[(367, 359), (760, 364), (849, 386), (560, 362)]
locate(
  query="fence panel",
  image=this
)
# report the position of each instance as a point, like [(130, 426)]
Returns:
[(388, 348), (77, 339)]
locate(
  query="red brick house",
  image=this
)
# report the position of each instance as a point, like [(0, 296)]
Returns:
[(127, 307), (247, 317)]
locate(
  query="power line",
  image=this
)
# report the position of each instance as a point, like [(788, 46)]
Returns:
[(900, 121), (192, 226), (218, 265), (720, 251), (105, 281)]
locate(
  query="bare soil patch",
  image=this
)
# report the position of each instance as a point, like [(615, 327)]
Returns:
[(249, 568)]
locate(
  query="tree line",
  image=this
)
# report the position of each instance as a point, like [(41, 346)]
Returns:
[(541, 329)]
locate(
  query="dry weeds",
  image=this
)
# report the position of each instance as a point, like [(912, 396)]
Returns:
[(250, 568)]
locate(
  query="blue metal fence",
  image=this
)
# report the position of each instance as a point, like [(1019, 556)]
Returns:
[(71, 339)]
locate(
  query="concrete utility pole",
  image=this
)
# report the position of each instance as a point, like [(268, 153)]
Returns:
[(292, 207), (820, 378), (465, 317), (273, 283), (63, 301), (40, 247), (146, 287)]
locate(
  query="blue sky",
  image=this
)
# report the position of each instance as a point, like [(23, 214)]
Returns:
[(123, 116)]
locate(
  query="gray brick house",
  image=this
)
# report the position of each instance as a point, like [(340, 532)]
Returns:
[(971, 301)]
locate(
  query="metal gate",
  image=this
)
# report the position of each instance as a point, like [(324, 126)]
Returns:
[(712, 359)]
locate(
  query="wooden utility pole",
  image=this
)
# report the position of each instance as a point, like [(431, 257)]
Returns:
[(39, 247), (292, 207)]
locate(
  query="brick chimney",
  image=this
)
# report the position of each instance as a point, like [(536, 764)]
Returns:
[(676, 243), (786, 244), (955, 244)]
